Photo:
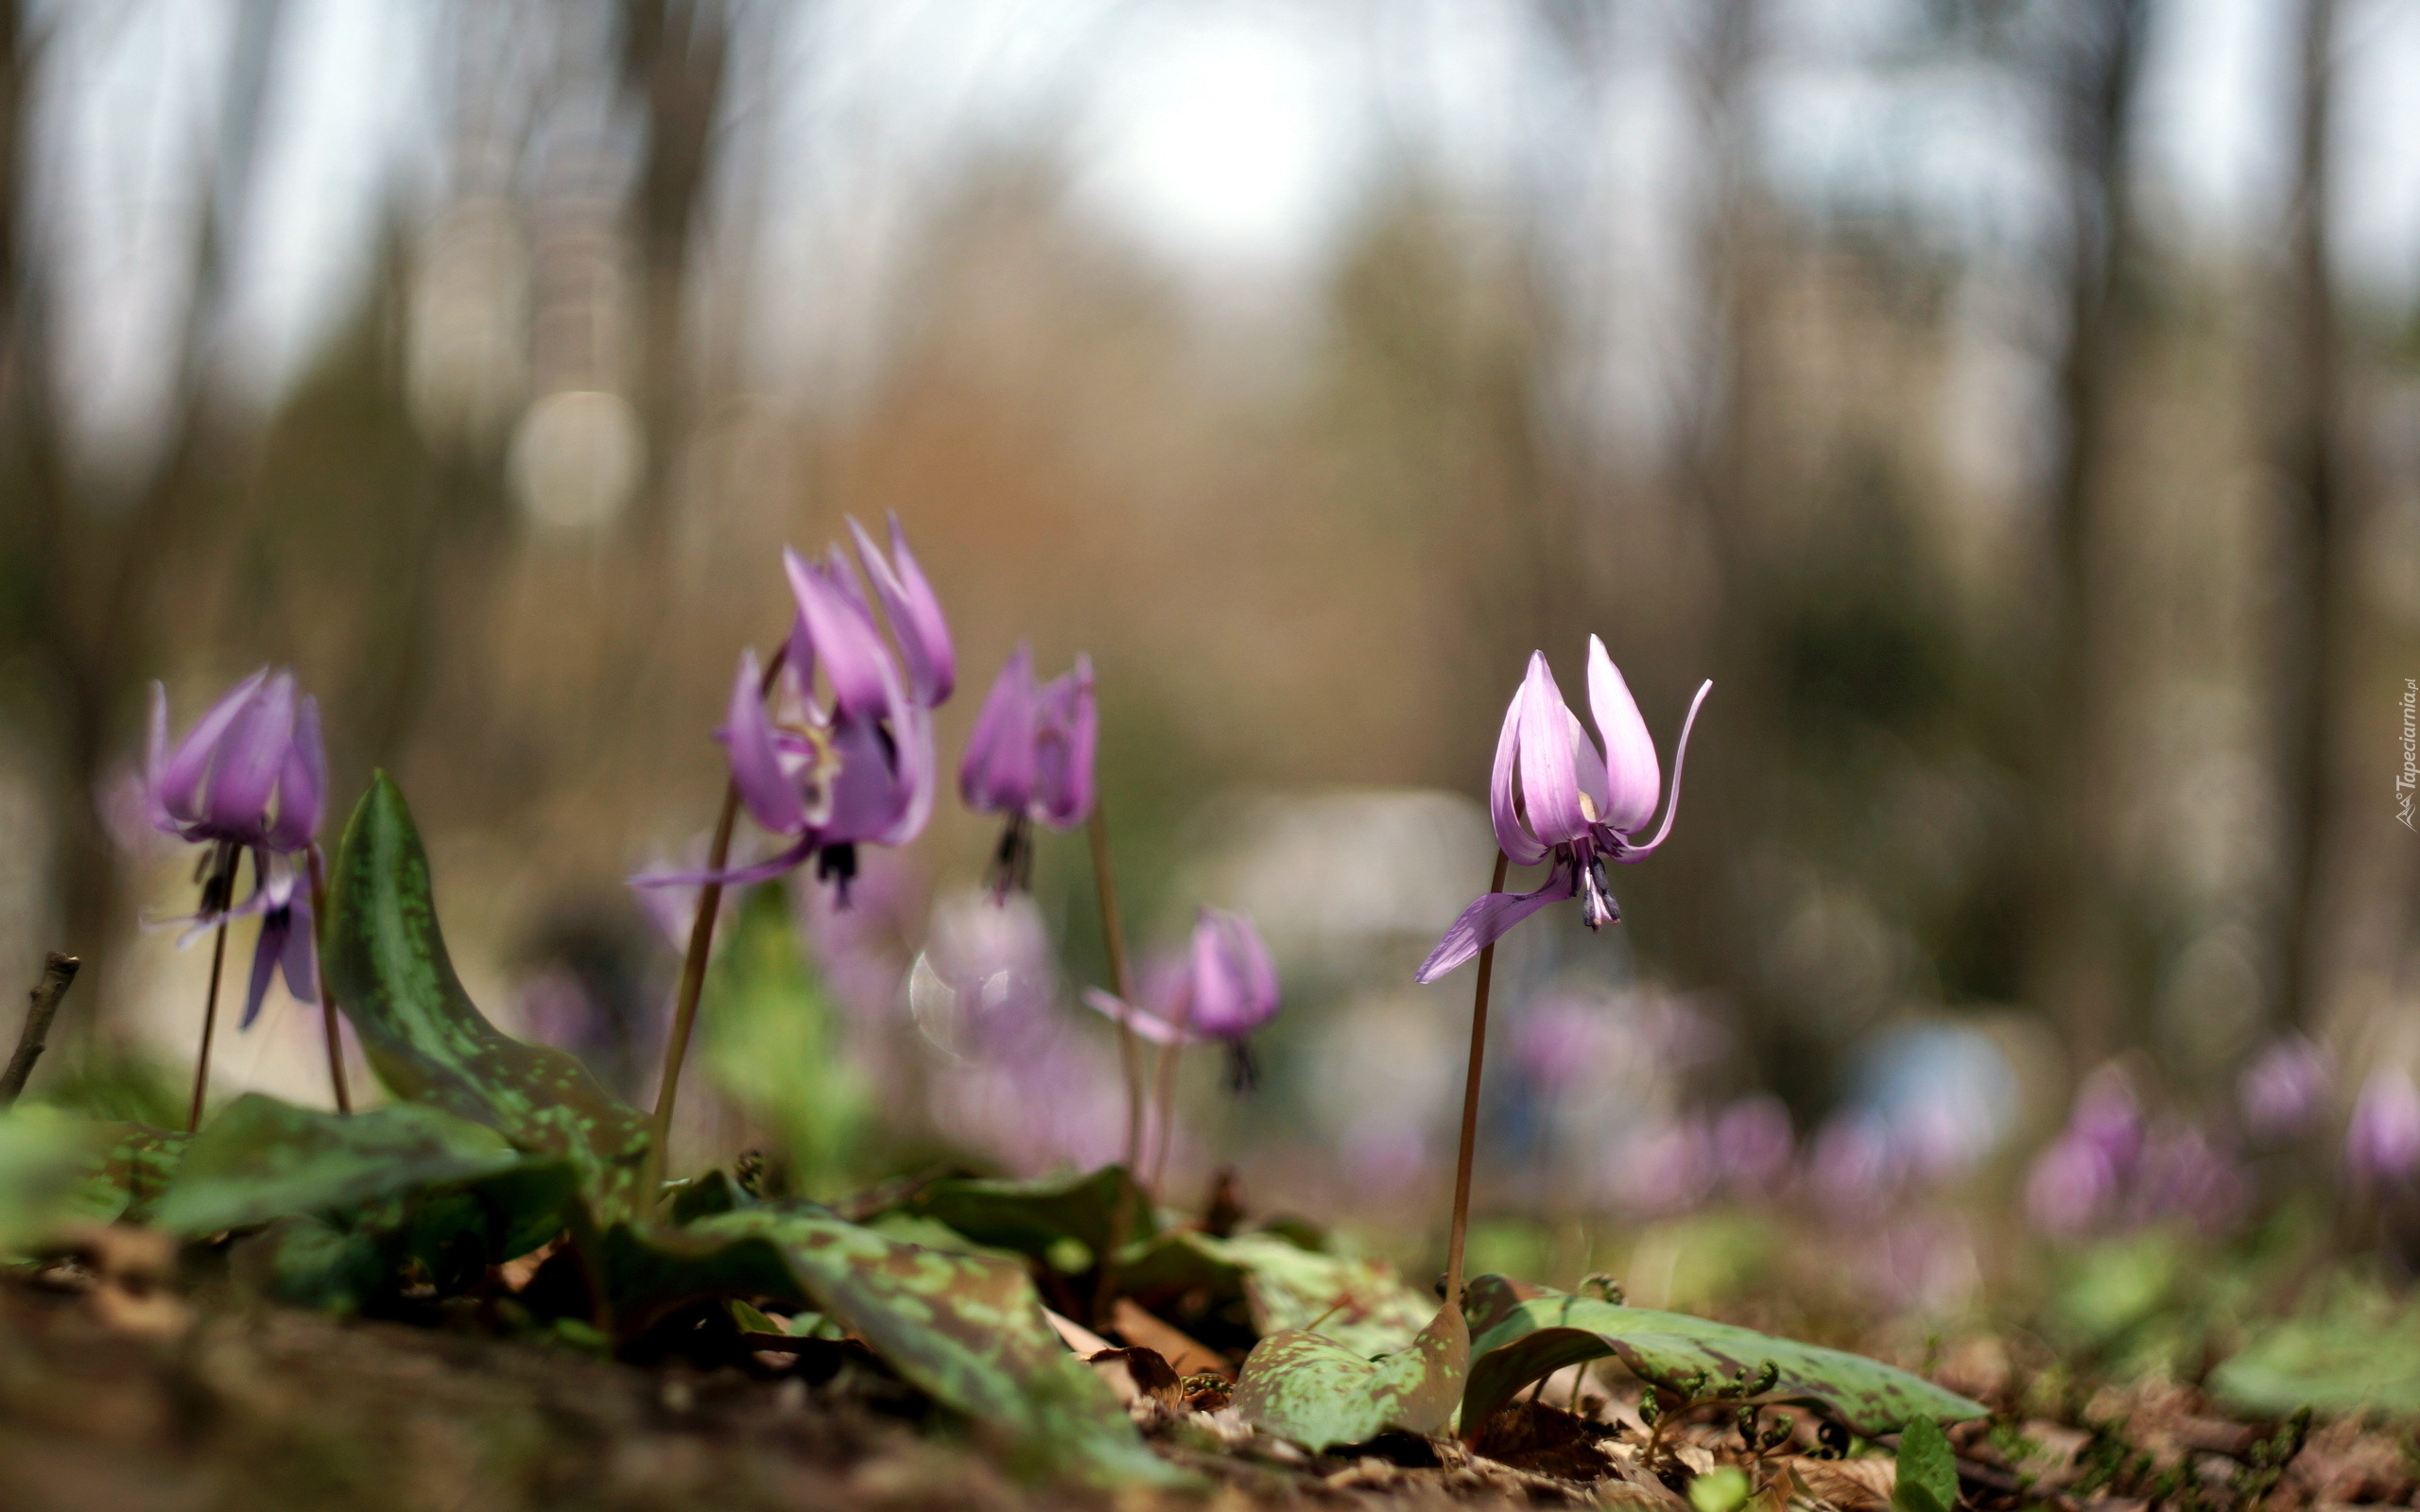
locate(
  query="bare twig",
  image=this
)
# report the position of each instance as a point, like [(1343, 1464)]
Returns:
[(57, 972)]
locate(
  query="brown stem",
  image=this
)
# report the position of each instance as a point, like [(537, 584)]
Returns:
[(1470, 1109), (57, 973), (1166, 1098), (327, 998), (1114, 940), (693, 966), (215, 895)]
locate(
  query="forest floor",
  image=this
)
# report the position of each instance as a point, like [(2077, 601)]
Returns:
[(135, 1397)]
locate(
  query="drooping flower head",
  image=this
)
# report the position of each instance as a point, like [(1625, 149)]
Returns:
[(1030, 758), (1223, 988), (250, 776), (847, 760), (1555, 797)]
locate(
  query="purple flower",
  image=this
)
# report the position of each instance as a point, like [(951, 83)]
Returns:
[(1853, 1165), (1752, 1143), (1223, 988), (251, 773), (1554, 796), (251, 776), (858, 767), (2183, 1175), (2109, 1119), (1031, 758), (2382, 1143), (2071, 1185), (2284, 1087), (987, 980)]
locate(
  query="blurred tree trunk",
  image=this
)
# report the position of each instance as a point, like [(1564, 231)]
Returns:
[(674, 60), (2313, 641), (2075, 941), (88, 611)]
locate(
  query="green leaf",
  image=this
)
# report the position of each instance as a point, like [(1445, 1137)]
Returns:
[(142, 1162), (309, 1262), (49, 1164), (1030, 1216), (775, 1045), (262, 1158), (1360, 1304), (1523, 1333), (2362, 1354), (1724, 1489), (966, 1329), (1315, 1391), (1927, 1470), (428, 1044)]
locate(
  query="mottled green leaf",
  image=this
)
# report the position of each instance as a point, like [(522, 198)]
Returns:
[(310, 1263), (426, 1039), (1315, 1391), (142, 1162), (1030, 1216), (1520, 1334), (1927, 1470), (1360, 1304), (966, 1329), (262, 1158)]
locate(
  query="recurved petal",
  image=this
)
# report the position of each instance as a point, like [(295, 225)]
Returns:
[(764, 870), (914, 612), (155, 762), (916, 769), (773, 800), (1488, 919), (1234, 981), (249, 759), (1065, 743), (178, 780), (266, 951), (997, 776), (1146, 1026), (302, 784), (1550, 788), (1503, 789), (1631, 776), (841, 637), (300, 962), (1672, 801)]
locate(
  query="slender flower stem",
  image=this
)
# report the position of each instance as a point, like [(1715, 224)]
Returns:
[(693, 966), (1166, 1098), (215, 894), (1114, 940), (1470, 1109), (327, 998)]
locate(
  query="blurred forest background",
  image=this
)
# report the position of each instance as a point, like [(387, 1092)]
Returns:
[(2013, 405)]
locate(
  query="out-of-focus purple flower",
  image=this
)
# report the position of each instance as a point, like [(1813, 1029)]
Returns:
[(1224, 987), (863, 950), (2071, 1185), (1852, 1164), (1555, 797), (1030, 758), (987, 979), (1052, 1103), (2382, 1142), (2108, 1117), (251, 774), (1562, 1042), (1664, 1167), (2183, 1175), (858, 767), (2284, 1088), (1752, 1143)]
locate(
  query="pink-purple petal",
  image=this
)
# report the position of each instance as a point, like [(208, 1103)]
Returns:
[(302, 784), (1631, 775), (1065, 747), (997, 774), (1549, 789), (1503, 796), (764, 870), (178, 781), (914, 614), (1488, 919), (771, 798), (842, 639), (1672, 801)]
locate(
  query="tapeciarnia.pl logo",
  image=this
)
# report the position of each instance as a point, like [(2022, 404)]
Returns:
[(2408, 777)]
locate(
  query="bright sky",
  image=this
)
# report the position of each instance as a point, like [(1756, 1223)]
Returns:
[(1226, 139)]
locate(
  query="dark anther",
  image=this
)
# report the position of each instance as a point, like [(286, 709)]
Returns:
[(838, 865)]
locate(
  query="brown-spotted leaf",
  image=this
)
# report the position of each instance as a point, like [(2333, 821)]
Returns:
[(1361, 1304), (1032, 1216), (966, 1329), (428, 1043), (1315, 1391), (1522, 1334), (261, 1159)]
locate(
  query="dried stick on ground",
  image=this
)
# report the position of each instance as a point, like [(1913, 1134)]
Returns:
[(57, 973)]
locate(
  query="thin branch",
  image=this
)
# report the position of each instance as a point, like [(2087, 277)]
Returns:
[(57, 972)]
